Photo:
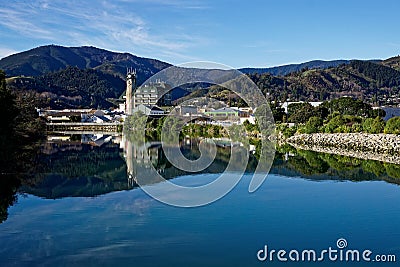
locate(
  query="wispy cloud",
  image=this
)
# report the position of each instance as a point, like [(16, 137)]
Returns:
[(257, 44), (109, 24), (181, 4), (16, 20), (4, 52), (394, 44)]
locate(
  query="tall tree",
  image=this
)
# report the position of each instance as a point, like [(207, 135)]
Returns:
[(8, 110)]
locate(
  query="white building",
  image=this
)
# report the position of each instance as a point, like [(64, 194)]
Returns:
[(149, 110), (286, 104)]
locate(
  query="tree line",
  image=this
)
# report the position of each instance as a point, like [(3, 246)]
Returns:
[(343, 115), (20, 131)]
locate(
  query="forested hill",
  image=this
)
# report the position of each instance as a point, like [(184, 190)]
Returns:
[(393, 62), (376, 83), (287, 69), (71, 88), (51, 58)]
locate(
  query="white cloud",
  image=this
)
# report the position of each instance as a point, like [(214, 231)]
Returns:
[(4, 52), (16, 20), (179, 4), (101, 23)]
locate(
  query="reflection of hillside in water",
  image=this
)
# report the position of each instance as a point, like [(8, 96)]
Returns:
[(79, 165), (317, 166), (90, 165)]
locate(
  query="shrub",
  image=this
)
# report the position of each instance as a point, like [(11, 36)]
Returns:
[(343, 129), (287, 131), (367, 124), (300, 112), (313, 125), (290, 131), (373, 126), (334, 123), (392, 170), (356, 128), (393, 126)]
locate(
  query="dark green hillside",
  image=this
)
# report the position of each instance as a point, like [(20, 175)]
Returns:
[(393, 62), (50, 58), (72, 87), (287, 69), (41, 60), (369, 81), (372, 82), (382, 75)]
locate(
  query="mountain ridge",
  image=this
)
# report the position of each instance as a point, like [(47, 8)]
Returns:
[(283, 70), (59, 73), (50, 58), (57, 57)]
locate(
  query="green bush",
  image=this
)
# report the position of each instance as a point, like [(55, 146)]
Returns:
[(356, 128), (393, 126), (373, 126), (334, 123), (342, 129), (392, 170), (349, 106), (300, 112), (374, 167), (286, 130), (367, 124), (313, 125), (301, 129)]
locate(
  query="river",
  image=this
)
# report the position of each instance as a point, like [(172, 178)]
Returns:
[(82, 207)]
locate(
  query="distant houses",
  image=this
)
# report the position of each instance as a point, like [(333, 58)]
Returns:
[(225, 112), (187, 110), (149, 110), (65, 115), (146, 98), (81, 116)]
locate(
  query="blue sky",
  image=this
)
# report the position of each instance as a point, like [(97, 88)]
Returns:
[(235, 33)]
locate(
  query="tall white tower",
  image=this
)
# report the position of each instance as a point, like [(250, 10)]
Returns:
[(130, 87)]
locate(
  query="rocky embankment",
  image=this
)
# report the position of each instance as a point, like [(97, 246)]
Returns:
[(382, 147)]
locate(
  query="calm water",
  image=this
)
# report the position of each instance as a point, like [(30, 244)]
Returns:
[(82, 209)]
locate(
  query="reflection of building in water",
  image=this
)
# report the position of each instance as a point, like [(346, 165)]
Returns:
[(67, 142), (95, 139), (142, 159), (145, 161)]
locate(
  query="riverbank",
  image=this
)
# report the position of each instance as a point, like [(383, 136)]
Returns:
[(381, 147)]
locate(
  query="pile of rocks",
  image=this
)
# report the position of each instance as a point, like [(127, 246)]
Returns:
[(378, 143), (383, 147)]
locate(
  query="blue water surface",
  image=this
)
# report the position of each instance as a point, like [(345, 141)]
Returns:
[(129, 228)]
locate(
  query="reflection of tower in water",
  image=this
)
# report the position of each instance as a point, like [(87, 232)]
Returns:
[(141, 159), (147, 164)]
